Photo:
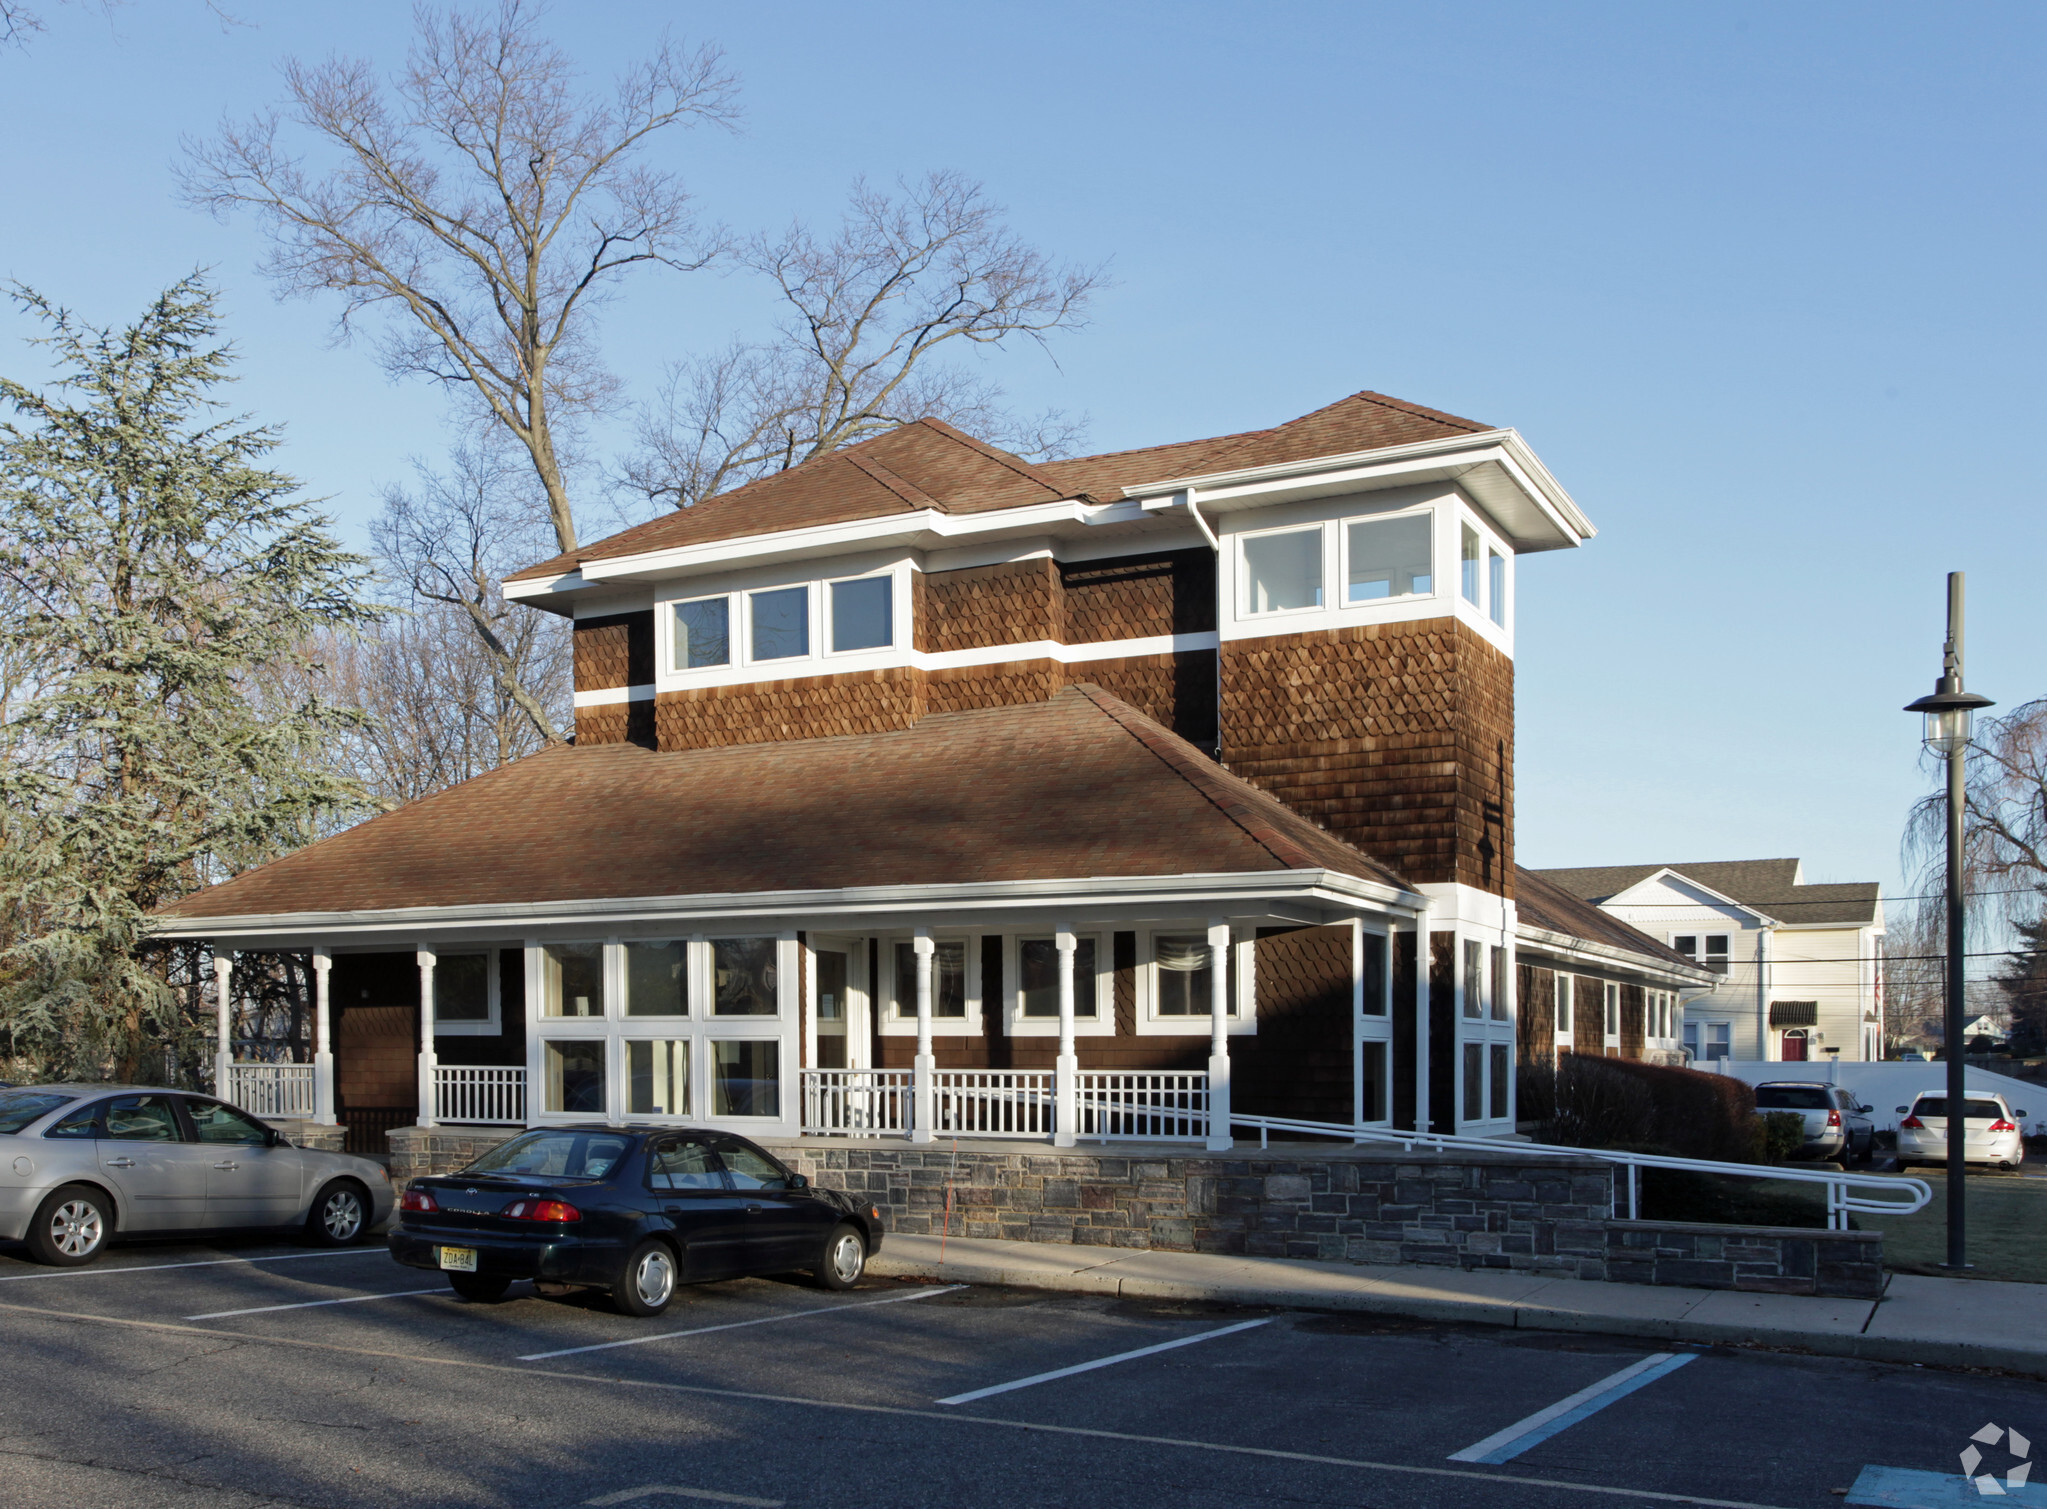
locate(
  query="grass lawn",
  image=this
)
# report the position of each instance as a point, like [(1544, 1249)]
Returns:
[(2007, 1229)]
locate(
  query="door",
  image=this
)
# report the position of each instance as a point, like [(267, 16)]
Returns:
[(158, 1176), (688, 1184), (838, 1003), (248, 1182), (784, 1227), (1794, 1047), (832, 970)]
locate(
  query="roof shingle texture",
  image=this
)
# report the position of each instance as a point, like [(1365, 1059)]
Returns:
[(1081, 786), (1769, 885), (1538, 903), (929, 464)]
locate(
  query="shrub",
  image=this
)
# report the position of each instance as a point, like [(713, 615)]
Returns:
[(1783, 1135), (1615, 1102)]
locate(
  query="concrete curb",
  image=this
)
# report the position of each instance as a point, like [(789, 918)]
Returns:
[(1478, 1311)]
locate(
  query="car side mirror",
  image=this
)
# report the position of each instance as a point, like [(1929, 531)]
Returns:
[(1904, 1110), (797, 1181), (276, 1138), (1864, 1110), (2018, 1116)]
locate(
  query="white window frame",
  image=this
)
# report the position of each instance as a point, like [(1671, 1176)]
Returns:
[(1480, 614), (1610, 1012), (1566, 987), (810, 619), (1375, 1028), (1245, 611), (1704, 954), (1429, 510), (970, 1025), (1243, 1020), (667, 620), (605, 1006), (490, 1026), (896, 593), (691, 994), (1102, 1024)]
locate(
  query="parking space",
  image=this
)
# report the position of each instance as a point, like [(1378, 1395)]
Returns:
[(302, 1377)]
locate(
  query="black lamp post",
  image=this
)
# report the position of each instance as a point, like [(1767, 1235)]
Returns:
[(1948, 713)]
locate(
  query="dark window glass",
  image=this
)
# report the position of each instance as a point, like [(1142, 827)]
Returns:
[(1790, 1098), (743, 977), (656, 979), (572, 979), (462, 988), (1687, 944), (1186, 975), (567, 1155), (688, 1164), (575, 1076), (749, 1169), (860, 614), (1375, 975), (657, 1077), (746, 1079), (1038, 977), (85, 1123), (1936, 1105), (948, 980), (1498, 1082), (218, 1123), (703, 633), (143, 1118), (20, 1107), (1474, 1081), (781, 623), (1372, 1081)]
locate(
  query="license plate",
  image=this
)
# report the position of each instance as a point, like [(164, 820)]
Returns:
[(458, 1259)]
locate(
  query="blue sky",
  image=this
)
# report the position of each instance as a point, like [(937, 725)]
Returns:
[(1758, 282)]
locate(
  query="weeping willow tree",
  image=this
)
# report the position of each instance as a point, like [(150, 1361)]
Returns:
[(153, 567)]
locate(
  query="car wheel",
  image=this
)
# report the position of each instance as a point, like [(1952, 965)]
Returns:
[(71, 1227), (647, 1283), (479, 1288), (842, 1259), (340, 1216)]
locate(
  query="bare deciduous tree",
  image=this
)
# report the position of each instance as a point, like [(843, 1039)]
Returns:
[(484, 200), (2005, 819), (908, 278)]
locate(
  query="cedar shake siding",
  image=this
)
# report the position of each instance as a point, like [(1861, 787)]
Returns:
[(1017, 602), (1299, 1064), (1007, 683), (807, 707), (617, 723), (614, 651), (1535, 1025), (1398, 737), (1137, 596)]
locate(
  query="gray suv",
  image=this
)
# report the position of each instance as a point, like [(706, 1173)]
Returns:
[(1837, 1125)]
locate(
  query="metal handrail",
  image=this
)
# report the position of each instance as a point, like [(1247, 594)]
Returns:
[(1840, 1203)]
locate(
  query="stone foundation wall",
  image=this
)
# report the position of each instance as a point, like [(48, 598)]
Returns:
[(313, 1134), (441, 1150), (1773, 1260)]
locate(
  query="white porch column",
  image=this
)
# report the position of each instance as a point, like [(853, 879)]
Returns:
[(1220, 1136), (924, 1065), (323, 1055), (1421, 1019), (1065, 1068), (223, 1007), (426, 1039)]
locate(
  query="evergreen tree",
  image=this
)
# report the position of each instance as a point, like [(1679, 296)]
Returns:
[(154, 566), (2024, 983)]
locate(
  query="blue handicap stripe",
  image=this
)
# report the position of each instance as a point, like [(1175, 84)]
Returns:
[(1907, 1488)]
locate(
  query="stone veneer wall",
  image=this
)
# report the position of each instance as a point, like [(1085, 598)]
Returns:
[(1849, 1264)]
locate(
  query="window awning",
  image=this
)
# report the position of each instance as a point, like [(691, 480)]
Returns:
[(1794, 1013)]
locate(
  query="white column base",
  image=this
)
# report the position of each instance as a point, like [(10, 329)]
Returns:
[(323, 1090), (922, 1068), (223, 1085), (427, 1064), (1221, 1138), (1065, 1100)]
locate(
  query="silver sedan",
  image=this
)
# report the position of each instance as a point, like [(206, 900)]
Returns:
[(80, 1163)]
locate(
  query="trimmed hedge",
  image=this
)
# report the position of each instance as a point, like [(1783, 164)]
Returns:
[(1618, 1102)]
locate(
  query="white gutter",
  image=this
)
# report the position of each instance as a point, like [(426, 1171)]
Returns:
[(1581, 949)]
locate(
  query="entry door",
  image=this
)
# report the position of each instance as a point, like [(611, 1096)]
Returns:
[(838, 1003), (159, 1177), (1794, 1047)]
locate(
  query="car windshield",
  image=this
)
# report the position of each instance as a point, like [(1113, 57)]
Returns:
[(569, 1155), (1790, 1098), (20, 1107), (1973, 1110)]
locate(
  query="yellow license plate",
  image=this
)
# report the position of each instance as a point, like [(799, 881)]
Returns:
[(458, 1259)]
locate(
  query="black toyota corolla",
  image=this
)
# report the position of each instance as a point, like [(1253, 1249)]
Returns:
[(632, 1211)]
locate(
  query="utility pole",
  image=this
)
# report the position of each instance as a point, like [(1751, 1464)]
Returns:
[(1948, 720)]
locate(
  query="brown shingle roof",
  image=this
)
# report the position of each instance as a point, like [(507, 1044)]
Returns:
[(1771, 886), (1540, 904), (929, 464), (1079, 787)]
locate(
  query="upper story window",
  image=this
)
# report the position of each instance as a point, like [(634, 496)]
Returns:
[(1283, 570), (1391, 558), (780, 627), (1474, 977), (572, 979), (656, 979), (1713, 956), (1496, 586), (703, 633), (862, 616), (1468, 560)]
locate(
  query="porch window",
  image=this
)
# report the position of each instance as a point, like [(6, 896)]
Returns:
[(948, 980), (656, 979), (572, 979), (462, 990), (1498, 1082), (1499, 984), (781, 623), (1283, 571), (743, 977), (1391, 558), (1474, 1081), (861, 614), (1496, 590), (1037, 968), (1372, 1101), (657, 1077), (574, 1071), (1564, 1005), (1375, 975), (1474, 978), (1186, 977), (746, 1078), (703, 633), (1468, 558)]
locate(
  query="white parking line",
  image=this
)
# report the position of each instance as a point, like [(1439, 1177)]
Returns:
[(313, 1304), (1102, 1362), (765, 1320), (282, 1257), (627, 1495), (1523, 1435)]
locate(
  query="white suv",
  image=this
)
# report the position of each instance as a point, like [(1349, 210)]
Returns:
[(1990, 1131)]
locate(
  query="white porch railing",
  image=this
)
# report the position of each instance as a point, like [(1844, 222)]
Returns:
[(1840, 1201), (1153, 1105), (275, 1092), (992, 1102), (856, 1102), (486, 1096)]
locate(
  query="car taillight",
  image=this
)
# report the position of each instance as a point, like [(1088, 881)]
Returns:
[(1833, 1118), (2001, 1125), (1913, 1124), (417, 1199), (542, 1210)]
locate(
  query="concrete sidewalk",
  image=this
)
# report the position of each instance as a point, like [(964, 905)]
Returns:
[(1966, 1322)]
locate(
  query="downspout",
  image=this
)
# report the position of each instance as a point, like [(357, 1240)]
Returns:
[(1216, 545)]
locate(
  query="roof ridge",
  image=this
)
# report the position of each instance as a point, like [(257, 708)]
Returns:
[(1388, 401), (1163, 445), (1163, 745), (900, 485), (996, 454)]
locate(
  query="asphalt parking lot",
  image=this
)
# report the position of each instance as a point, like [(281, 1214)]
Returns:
[(263, 1373)]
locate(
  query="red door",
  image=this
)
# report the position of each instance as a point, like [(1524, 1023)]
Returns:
[(1794, 1047)]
